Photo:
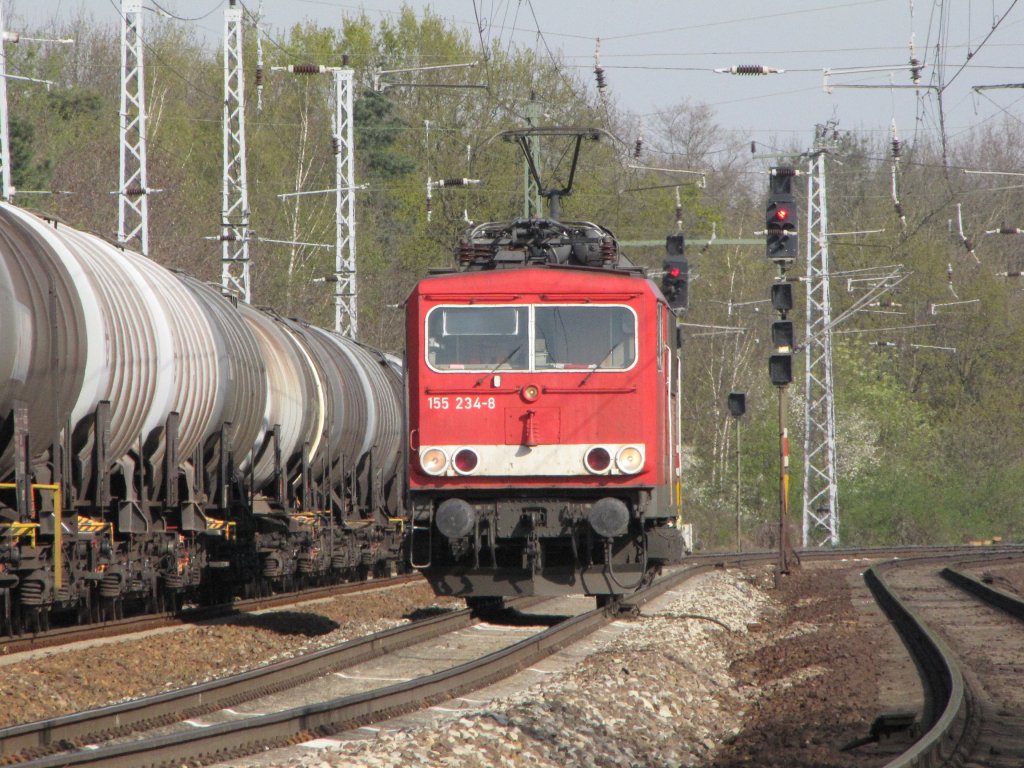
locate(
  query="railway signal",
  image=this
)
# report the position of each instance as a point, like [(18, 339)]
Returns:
[(780, 362), (737, 403), (781, 241), (781, 248), (782, 297), (675, 282)]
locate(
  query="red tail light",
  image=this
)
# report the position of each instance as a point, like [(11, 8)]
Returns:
[(465, 461), (598, 460)]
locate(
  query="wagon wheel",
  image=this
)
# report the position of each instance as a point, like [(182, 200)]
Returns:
[(17, 620), (34, 619), (107, 608), (84, 613), (5, 612)]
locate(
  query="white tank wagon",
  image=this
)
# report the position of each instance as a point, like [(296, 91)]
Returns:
[(191, 448)]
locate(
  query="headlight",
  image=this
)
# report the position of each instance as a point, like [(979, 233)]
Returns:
[(598, 460), (465, 461), (433, 460), (629, 460)]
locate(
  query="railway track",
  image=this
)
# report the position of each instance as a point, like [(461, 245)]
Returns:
[(86, 738), (967, 638), (84, 632), (36, 743)]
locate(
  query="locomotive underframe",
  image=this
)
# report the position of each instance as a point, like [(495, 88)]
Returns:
[(541, 542), (132, 535)]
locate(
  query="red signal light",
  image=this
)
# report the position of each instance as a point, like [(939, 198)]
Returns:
[(781, 214), (674, 272)]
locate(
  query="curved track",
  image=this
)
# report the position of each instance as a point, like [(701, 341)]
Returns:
[(968, 651)]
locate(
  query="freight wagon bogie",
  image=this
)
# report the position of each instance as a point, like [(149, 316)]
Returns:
[(160, 444), (143, 555)]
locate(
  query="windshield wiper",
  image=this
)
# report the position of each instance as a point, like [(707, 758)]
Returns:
[(508, 357), (595, 366)]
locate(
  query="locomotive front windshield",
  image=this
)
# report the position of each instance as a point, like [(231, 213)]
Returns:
[(531, 338)]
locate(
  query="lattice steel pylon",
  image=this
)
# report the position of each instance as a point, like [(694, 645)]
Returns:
[(821, 511), (133, 212), (346, 314), (5, 137), (234, 236)]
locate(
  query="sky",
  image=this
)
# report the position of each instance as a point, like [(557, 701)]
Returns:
[(657, 54)]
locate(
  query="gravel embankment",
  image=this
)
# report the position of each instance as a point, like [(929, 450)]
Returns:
[(733, 673), (660, 694)]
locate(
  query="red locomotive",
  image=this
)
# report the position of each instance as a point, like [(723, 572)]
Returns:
[(543, 386)]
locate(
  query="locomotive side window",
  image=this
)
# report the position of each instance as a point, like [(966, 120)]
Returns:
[(590, 336), (478, 338)]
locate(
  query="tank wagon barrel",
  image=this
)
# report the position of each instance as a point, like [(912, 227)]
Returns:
[(201, 448)]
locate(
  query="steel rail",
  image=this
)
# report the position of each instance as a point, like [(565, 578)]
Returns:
[(948, 711), (23, 742), (991, 594), (144, 623), (235, 739), (951, 713)]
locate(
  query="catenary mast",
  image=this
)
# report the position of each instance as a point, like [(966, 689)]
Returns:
[(821, 512), (235, 208), (133, 212)]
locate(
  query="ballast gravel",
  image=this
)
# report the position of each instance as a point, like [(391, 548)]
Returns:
[(659, 694), (733, 671), (53, 682)]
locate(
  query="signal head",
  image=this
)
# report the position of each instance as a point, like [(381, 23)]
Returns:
[(676, 277)]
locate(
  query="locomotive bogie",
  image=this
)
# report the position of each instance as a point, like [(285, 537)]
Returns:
[(537, 545)]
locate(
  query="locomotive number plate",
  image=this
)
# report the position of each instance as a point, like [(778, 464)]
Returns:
[(461, 403)]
